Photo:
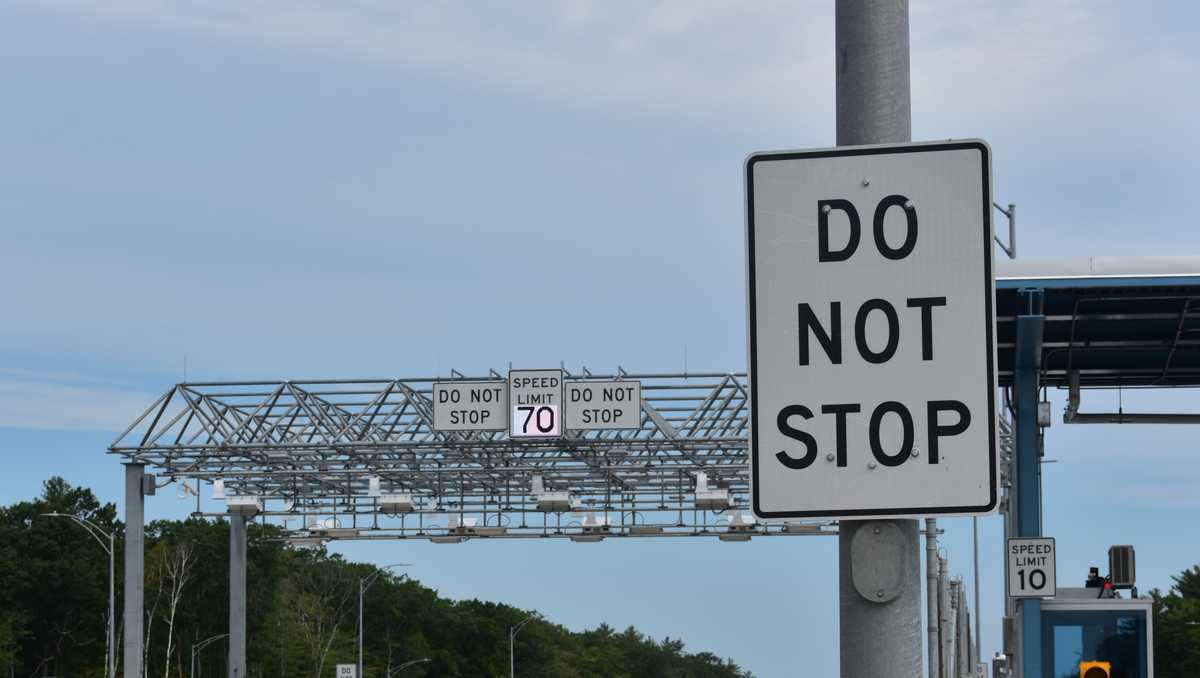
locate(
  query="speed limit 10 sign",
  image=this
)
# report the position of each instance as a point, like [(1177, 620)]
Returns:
[(1031, 567)]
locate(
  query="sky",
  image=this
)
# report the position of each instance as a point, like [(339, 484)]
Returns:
[(372, 189)]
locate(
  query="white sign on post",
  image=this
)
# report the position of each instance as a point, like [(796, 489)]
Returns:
[(604, 404), (535, 399), (470, 405), (347, 671), (1032, 572), (872, 359)]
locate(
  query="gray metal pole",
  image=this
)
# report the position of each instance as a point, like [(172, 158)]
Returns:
[(237, 597), (1012, 230), (360, 629), (134, 564), (112, 627), (944, 638), (931, 596), (880, 628), (873, 104), (964, 623), (978, 612)]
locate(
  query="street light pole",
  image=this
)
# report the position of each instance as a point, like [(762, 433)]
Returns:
[(200, 646), (363, 584), (110, 655), (512, 639), (112, 626), (405, 665)]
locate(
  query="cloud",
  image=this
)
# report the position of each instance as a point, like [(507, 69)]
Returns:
[(1159, 496), (49, 403), (747, 63), (680, 58)]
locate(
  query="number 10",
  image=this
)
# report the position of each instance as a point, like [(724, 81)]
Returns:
[(1037, 579)]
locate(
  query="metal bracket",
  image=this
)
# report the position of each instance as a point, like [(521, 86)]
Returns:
[(1011, 214), (878, 561)]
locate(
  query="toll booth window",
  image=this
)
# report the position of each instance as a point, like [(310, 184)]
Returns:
[(1116, 637)]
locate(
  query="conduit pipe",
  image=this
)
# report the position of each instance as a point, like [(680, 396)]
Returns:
[(1072, 415)]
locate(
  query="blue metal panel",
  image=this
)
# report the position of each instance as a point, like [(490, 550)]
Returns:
[(1031, 639), (1103, 281), (1028, 467)]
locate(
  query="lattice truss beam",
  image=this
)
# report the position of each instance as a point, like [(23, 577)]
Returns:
[(342, 448)]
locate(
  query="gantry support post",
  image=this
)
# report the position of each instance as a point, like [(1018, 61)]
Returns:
[(1028, 486), (134, 568), (880, 630), (237, 596), (932, 578)]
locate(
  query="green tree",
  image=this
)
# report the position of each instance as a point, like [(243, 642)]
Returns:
[(55, 597), (1177, 627), (301, 610)]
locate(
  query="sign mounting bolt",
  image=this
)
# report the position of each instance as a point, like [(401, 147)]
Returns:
[(866, 182), (871, 465), (879, 593), (829, 456)]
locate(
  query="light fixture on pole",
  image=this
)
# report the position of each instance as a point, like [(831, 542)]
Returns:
[(512, 639), (407, 664), (97, 532), (200, 646), (363, 584)]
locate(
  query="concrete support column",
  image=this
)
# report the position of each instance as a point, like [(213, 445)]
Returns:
[(237, 597), (135, 548), (880, 632)]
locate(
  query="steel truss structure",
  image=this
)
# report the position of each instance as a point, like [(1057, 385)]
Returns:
[(313, 448), (359, 459)]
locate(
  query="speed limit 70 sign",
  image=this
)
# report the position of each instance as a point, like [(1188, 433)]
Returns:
[(536, 400), (1031, 567)]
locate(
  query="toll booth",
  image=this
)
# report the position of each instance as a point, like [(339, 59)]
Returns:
[(1113, 634), (1079, 324)]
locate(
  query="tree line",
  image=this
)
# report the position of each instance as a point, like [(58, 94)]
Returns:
[(301, 609)]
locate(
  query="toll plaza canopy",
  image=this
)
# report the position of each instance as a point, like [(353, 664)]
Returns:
[(1117, 321)]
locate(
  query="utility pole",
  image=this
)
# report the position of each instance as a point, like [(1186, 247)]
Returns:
[(873, 107)]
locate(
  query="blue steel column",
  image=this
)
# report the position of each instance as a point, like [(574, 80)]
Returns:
[(1027, 362)]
